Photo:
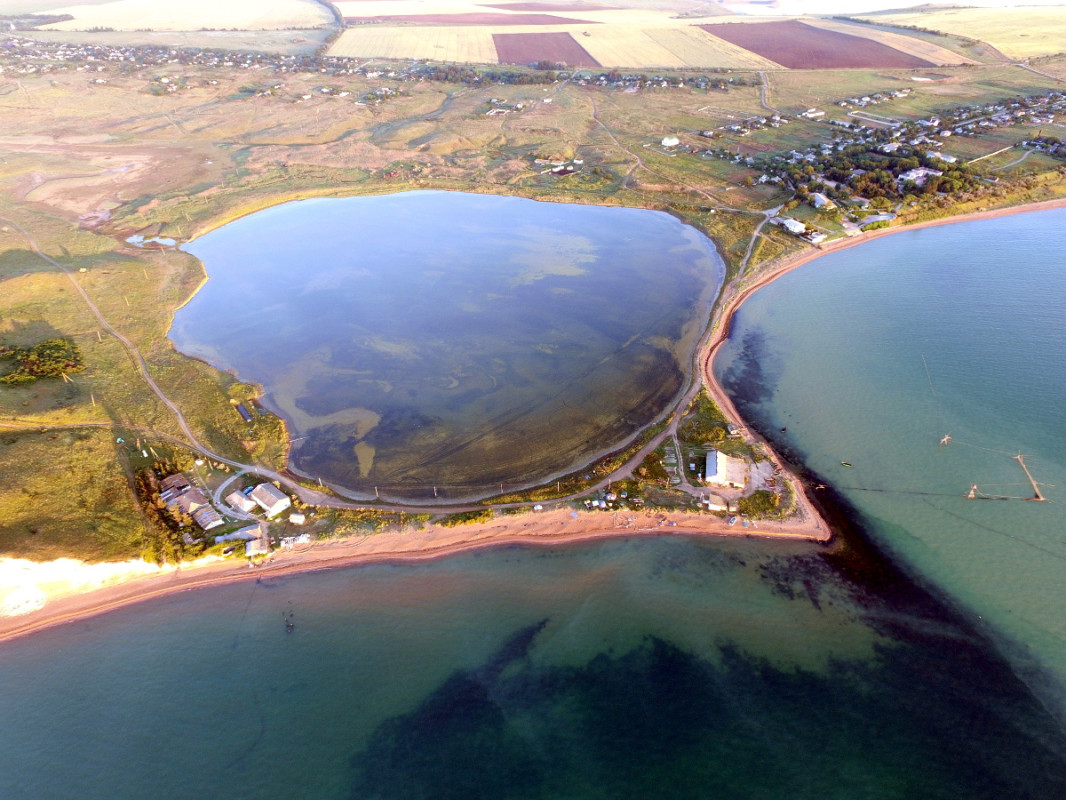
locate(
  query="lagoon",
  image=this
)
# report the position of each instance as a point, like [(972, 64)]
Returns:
[(436, 344)]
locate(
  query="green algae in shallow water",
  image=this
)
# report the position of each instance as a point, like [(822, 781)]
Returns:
[(495, 340), (645, 667)]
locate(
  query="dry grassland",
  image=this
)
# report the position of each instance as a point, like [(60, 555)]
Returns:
[(906, 44), (192, 15), (1024, 32)]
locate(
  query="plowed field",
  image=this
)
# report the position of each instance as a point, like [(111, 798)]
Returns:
[(794, 45), (528, 48)]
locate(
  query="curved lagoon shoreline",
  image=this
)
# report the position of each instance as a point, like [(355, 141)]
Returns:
[(72, 600)]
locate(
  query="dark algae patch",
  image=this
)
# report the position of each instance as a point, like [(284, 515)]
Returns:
[(661, 722)]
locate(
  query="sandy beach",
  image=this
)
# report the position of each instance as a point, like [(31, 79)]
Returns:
[(36, 596)]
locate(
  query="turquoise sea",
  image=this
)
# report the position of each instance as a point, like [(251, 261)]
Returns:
[(655, 666)]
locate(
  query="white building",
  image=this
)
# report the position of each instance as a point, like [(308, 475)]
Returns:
[(793, 226), (241, 502), (819, 201), (271, 499), (723, 470), (671, 141)]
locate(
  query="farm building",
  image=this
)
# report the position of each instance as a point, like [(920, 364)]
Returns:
[(793, 226), (671, 141), (271, 499), (723, 470)]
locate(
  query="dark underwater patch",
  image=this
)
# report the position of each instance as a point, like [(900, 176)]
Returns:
[(925, 719)]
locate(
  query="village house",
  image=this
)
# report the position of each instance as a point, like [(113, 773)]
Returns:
[(182, 497), (271, 499), (241, 501), (793, 226)]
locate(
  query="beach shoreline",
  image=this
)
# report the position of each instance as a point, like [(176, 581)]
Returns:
[(65, 600)]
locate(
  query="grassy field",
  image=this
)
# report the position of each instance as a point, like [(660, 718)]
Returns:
[(1021, 32)]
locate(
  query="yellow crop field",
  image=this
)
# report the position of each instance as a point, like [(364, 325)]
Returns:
[(458, 44), (700, 49), (1023, 32), (906, 44), (688, 46), (191, 15)]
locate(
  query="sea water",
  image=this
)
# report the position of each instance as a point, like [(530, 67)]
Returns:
[(644, 667), (873, 355)]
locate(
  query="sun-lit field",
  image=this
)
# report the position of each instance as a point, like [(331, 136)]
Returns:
[(464, 45), (1024, 32), (631, 46), (906, 44), (192, 15)]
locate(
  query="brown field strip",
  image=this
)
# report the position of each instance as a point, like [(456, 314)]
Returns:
[(931, 52), (528, 48), (796, 45), (487, 18)]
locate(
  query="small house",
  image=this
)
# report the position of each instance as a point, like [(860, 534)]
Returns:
[(271, 499), (241, 502), (671, 141), (793, 226)]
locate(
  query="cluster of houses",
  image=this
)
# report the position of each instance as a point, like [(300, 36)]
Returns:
[(182, 497), (873, 99), (265, 496)]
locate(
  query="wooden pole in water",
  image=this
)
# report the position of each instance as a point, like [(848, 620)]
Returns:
[(1036, 489)]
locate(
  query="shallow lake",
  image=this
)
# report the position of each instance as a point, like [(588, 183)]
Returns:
[(444, 343)]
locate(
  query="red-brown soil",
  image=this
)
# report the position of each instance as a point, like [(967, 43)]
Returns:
[(488, 18), (795, 45), (529, 48)]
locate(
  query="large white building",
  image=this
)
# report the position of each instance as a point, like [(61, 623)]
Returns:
[(271, 499), (723, 470)]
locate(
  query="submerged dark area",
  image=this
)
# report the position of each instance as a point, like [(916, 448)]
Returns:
[(661, 722)]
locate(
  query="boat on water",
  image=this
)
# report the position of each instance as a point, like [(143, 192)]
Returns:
[(845, 464)]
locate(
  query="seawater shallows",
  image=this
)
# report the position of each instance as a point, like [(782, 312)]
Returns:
[(658, 667), (448, 340), (873, 355)]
